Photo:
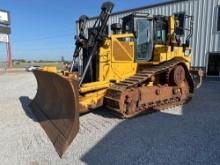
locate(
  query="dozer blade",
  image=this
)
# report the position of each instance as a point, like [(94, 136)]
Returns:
[(56, 108)]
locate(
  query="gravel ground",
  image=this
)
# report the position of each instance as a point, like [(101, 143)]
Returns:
[(181, 135)]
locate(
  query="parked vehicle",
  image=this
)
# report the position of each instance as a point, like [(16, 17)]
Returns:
[(31, 68)]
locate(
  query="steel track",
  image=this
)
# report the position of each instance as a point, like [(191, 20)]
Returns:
[(114, 94)]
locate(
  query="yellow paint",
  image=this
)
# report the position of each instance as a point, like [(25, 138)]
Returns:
[(50, 69), (94, 86), (91, 100), (150, 84), (171, 24), (116, 58)]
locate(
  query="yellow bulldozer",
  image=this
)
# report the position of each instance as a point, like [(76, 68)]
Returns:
[(142, 66)]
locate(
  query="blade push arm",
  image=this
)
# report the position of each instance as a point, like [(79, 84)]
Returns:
[(97, 35)]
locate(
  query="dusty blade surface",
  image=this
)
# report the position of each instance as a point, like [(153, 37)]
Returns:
[(56, 108)]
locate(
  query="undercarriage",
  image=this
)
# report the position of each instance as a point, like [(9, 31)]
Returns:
[(156, 87)]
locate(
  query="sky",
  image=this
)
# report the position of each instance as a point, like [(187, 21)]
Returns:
[(45, 29)]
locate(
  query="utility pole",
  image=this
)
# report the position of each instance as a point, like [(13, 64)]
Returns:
[(10, 65)]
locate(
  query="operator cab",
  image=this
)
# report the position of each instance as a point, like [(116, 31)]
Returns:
[(141, 25), (149, 30)]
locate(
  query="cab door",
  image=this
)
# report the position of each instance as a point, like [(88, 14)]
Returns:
[(144, 39)]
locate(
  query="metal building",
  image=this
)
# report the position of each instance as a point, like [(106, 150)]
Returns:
[(206, 33)]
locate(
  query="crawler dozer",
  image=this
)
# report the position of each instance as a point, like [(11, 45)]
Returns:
[(143, 65)]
